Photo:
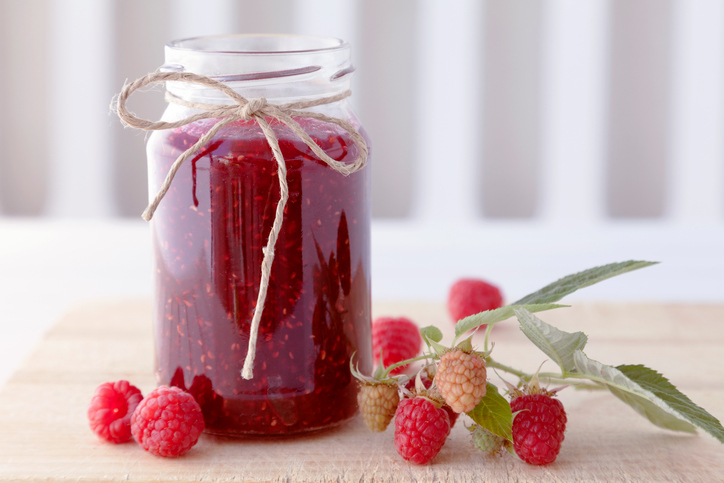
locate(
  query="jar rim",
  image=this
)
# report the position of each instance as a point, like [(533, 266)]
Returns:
[(258, 44)]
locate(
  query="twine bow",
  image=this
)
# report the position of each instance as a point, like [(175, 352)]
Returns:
[(243, 109)]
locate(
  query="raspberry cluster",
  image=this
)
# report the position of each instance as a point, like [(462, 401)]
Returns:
[(426, 405), (167, 422)]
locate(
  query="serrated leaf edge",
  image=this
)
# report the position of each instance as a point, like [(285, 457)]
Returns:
[(491, 317), (548, 293), (581, 359)]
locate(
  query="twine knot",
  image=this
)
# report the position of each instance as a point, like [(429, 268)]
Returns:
[(257, 109), (253, 108)]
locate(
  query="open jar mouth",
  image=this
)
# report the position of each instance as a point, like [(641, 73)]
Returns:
[(259, 44), (282, 66)]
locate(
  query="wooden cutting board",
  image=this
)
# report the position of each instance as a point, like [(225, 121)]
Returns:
[(45, 435)]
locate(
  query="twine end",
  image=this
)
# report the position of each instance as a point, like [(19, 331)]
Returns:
[(247, 373), (147, 214)]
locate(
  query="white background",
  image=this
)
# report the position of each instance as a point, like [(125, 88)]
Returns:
[(513, 141)]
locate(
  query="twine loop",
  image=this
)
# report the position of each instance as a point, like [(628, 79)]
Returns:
[(257, 109)]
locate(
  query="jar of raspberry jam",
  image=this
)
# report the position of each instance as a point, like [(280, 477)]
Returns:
[(210, 228)]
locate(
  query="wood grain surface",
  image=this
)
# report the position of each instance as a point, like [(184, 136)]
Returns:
[(45, 435)]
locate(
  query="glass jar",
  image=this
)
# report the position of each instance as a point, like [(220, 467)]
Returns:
[(209, 230)]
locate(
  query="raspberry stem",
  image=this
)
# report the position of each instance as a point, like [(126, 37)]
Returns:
[(490, 363), (486, 348), (550, 377), (405, 362)]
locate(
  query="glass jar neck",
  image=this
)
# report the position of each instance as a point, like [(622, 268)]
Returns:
[(281, 68)]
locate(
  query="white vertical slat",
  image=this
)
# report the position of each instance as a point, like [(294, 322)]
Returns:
[(331, 18), (81, 88), (449, 78), (697, 174), (192, 18), (575, 63)]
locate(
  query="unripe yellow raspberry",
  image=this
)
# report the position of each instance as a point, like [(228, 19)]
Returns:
[(461, 379), (377, 403)]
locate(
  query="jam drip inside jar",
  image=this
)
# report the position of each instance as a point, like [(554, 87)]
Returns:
[(208, 234)]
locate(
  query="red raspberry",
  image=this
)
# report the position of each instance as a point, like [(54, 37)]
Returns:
[(397, 338), (427, 382), (470, 296), (167, 422), (110, 410), (427, 374), (420, 430), (538, 428)]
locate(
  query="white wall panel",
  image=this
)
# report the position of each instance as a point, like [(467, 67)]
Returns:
[(697, 170), (80, 48), (574, 110), (24, 99), (448, 88)]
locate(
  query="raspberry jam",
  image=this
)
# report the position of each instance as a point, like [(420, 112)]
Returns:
[(208, 233)]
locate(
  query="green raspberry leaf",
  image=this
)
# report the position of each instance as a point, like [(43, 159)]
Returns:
[(490, 317), (466, 345), (567, 285), (494, 414), (660, 386), (651, 395), (431, 333), (555, 343)]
